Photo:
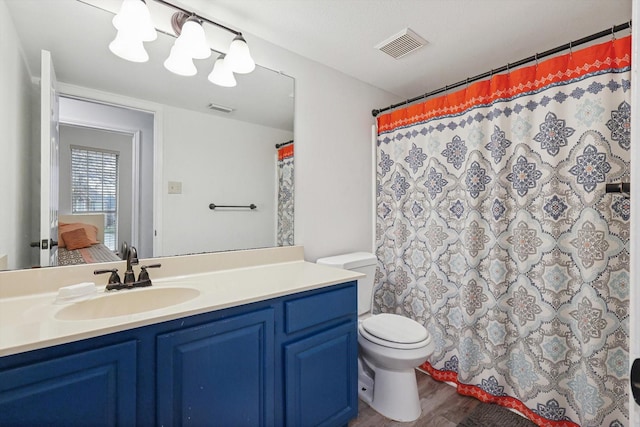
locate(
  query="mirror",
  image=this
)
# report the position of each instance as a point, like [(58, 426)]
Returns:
[(199, 155)]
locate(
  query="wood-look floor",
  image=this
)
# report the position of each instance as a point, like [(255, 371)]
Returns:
[(441, 406)]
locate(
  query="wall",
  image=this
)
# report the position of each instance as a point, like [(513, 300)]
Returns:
[(15, 119), (239, 160), (334, 204)]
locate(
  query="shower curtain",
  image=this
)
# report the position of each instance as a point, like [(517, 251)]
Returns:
[(495, 232), (285, 196)]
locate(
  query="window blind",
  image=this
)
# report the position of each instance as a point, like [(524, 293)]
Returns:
[(94, 187)]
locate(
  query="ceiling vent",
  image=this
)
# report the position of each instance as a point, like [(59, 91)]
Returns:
[(401, 44), (220, 108)]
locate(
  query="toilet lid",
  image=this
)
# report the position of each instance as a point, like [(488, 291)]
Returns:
[(395, 328)]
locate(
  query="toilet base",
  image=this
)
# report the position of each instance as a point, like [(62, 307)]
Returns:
[(365, 383), (395, 393)]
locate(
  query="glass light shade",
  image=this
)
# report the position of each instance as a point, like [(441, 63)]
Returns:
[(239, 58), (193, 40), (135, 18), (221, 75), (179, 62), (128, 46)]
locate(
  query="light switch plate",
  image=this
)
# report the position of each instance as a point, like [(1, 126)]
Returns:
[(175, 187)]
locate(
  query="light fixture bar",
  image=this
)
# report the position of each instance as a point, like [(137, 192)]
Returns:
[(190, 43), (187, 12)]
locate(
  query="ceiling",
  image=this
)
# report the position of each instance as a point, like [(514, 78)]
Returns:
[(466, 37)]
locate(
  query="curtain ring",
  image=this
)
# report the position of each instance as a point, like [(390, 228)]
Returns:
[(570, 49), (536, 58), (613, 33)]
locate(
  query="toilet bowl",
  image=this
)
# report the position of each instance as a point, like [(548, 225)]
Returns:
[(386, 376), (390, 347)]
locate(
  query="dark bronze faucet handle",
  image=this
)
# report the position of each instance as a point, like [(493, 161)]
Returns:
[(144, 275), (114, 278), (151, 266)]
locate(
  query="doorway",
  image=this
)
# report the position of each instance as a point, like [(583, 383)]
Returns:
[(125, 135)]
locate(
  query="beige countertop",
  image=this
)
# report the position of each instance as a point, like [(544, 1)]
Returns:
[(28, 320)]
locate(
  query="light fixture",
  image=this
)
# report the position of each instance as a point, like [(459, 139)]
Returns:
[(135, 26), (221, 74), (134, 16), (179, 62), (239, 58), (193, 40), (128, 47)]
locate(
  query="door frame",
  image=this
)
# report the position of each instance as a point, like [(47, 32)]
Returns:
[(157, 110), (49, 161)]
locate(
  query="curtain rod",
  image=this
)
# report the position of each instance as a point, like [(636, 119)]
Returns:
[(509, 66), (284, 143)]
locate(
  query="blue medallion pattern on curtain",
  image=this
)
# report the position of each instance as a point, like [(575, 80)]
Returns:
[(495, 232), (284, 233)]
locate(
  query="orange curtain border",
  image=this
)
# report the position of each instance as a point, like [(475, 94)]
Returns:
[(483, 396), (285, 152), (601, 58)]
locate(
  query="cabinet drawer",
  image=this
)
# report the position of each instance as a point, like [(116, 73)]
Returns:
[(316, 309)]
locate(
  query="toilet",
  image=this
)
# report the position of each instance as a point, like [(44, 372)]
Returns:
[(390, 347)]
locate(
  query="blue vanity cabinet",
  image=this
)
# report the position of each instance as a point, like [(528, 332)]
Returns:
[(218, 374), (288, 361), (320, 358), (94, 387)]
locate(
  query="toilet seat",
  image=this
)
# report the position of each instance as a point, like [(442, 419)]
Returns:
[(394, 331)]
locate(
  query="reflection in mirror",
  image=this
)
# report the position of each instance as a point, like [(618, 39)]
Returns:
[(191, 151)]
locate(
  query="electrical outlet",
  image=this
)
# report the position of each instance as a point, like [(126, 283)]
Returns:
[(175, 187)]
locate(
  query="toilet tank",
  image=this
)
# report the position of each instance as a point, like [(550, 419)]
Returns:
[(362, 262)]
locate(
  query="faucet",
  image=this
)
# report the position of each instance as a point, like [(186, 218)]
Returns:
[(130, 281), (132, 259)]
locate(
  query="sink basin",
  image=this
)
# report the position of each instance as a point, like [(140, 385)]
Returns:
[(121, 303)]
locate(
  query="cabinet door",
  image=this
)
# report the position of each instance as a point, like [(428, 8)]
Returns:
[(321, 376), (96, 387), (219, 373)]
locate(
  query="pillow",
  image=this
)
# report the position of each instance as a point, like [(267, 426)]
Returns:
[(77, 239), (91, 232)]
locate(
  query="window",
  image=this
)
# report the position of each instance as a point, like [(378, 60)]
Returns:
[(94, 187)]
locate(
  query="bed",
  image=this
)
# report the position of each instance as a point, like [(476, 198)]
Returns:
[(81, 238)]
